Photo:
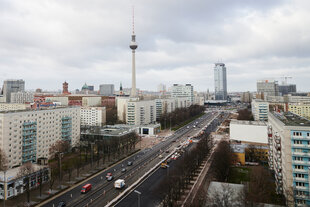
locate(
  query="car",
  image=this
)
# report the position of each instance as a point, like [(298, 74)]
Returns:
[(167, 151), (123, 170), (108, 175), (110, 178), (129, 163), (61, 204), (160, 156)]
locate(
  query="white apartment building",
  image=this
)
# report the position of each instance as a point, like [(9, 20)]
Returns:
[(93, 116), (168, 105), (289, 152), (179, 91), (13, 106), (27, 135), (260, 109), (121, 104), (140, 112), (22, 97), (91, 101)]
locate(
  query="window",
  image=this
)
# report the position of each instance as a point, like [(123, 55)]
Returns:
[(300, 167)]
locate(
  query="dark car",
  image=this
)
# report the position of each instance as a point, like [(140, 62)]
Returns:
[(61, 204), (123, 170), (129, 163)]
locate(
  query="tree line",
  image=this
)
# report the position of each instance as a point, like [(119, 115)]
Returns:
[(179, 115), (173, 186)]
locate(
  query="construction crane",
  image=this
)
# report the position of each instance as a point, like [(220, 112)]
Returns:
[(284, 82)]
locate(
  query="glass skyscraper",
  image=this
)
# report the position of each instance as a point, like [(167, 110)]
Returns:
[(220, 81)]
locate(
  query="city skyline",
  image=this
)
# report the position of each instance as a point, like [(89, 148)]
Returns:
[(46, 43)]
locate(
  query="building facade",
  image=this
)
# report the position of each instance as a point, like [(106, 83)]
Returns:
[(13, 106), (260, 110), (141, 112), (22, 97), (220, 81), (287, 89), (27, 135), (106, 89), (10, 86), (300, 109), (289, 156), (268, 88), (183, 91), (93, 116)]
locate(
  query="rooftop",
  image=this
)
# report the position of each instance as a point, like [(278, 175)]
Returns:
[(244, 122), (290, 119), (109, 130), (35, 110)]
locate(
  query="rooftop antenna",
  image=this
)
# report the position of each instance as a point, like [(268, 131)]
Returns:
[(133, 19)]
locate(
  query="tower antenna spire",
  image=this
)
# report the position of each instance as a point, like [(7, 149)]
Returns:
[(133, 19)]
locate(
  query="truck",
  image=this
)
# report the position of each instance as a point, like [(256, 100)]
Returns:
[(119, 184)]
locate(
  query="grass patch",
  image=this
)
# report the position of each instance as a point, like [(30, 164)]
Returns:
[(239, 175), (187, 121)]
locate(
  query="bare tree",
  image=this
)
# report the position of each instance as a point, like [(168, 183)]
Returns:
[(225, 196), (59, 146), (3, 161), (25, 172)]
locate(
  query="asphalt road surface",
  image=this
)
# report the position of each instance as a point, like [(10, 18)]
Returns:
[(103, 191)]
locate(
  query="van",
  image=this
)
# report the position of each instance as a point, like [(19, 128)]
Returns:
[(86, 188), (119, 184)]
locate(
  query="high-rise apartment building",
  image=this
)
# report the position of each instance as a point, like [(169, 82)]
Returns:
[(220, 81), (106, 89), (268, 88), (27, 135), (183, 91), (289, 156), (10, 86)]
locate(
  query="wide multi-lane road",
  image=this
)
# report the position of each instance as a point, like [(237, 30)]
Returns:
[(150, 193), (103, 191)]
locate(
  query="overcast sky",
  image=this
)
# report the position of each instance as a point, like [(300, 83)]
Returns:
[(46, 42)]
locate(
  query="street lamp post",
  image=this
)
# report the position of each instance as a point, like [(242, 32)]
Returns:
[(92, 153), (139, 193), (4, 188)]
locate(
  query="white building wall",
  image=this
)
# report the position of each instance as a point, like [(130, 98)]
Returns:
[(91, 101), (141, 112), (48, 130), (93, 116), (22, 97), (178, 91), (13, 106), (249, 131)]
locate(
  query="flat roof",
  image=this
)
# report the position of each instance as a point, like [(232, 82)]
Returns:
[(245, 122), (12, 173), (109, 130), (291, 119), (40, 109)]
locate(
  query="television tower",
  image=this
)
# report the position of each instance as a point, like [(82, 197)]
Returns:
[(133, 46)]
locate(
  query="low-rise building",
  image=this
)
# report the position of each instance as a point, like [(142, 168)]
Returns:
[(249, 131), (12, 184)]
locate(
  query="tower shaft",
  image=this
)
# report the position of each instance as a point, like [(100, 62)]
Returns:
[(133, 93)]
